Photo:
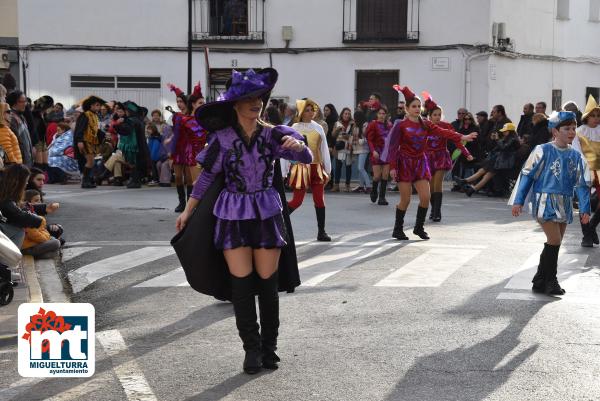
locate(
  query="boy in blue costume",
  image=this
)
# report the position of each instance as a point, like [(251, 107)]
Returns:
[(553, 172)]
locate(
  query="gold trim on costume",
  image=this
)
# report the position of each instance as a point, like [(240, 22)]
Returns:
[(591, 151)]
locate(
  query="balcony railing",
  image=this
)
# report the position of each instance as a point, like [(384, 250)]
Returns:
[(240, 21), (381, 21)]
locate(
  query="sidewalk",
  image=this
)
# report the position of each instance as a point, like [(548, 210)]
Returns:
[(28, 290), (33, 274)]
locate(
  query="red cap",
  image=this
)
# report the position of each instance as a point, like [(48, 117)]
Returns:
[(428, 101), (178, 92), (197, 90), (405, 90)]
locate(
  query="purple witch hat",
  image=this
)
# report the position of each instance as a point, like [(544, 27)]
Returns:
[(242, 85)]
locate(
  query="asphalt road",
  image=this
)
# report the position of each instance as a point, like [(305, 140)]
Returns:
[(375, 319)]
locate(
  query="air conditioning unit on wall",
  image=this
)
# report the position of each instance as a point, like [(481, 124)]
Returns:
[(4, 61)]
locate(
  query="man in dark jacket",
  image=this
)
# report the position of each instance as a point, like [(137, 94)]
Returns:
[(525, 123)]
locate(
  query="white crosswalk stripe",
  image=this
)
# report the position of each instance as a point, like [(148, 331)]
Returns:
[(174, 278), (432, 266), (71, 253), (430, 269), (86, 275)]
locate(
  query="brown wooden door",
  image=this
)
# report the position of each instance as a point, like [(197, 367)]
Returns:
[(381, 19), (380, 81)]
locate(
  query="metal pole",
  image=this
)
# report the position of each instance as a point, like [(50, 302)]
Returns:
[(189, 49)]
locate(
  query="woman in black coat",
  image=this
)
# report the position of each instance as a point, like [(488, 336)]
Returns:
[(12, 188), (502, 157)]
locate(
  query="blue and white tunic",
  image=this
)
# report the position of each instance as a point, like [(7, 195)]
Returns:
[(58, 158), (553, 174)]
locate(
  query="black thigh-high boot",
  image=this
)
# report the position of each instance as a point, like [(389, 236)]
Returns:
[(268, 304), (321, 235), (539, 281), (181, 195), (398, 232), (420, 223), (587, 240), (432, 203), (374, 193), (189, 189), (551, 286), (594, 221), (438, 207), (244, 306), (382, 190)]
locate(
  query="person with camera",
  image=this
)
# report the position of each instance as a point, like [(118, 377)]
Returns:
[(342, 134), (377, 132)]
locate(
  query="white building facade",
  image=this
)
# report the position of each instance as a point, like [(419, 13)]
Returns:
[(473, 53)]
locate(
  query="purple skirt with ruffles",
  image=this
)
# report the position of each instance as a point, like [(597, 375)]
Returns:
[(254, 233)]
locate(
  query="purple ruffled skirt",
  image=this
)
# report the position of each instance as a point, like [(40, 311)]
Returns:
[(254, 233)]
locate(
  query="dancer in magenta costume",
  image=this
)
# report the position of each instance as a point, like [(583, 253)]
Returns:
[(438, 157), (189, 138), (405, 150), (377, 132)]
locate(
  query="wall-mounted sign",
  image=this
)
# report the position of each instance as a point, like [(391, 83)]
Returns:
[(440, 63)]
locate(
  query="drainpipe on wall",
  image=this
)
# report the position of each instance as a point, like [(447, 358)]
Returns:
[(189, 49), (467, 78)]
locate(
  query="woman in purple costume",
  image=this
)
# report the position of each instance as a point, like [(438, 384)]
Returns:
[(250, 230)]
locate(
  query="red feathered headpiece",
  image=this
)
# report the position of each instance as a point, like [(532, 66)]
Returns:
[(405, 90), (178, 92), (198, 91), (428, 101)]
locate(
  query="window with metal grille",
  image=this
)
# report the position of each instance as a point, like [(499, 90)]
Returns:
[(556, 99), (129, 82)]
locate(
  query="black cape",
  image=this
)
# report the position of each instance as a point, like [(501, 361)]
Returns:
[(205, 268)]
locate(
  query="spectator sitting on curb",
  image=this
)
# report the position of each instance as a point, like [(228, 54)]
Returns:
[(38, 241)]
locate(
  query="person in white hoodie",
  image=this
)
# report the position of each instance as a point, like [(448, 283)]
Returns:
[(315, 175)]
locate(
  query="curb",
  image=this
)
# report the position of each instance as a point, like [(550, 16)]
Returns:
[(32, 280), (43, 281), (51, 283)]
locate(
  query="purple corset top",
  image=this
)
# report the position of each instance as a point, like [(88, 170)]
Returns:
[(248, 171)]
